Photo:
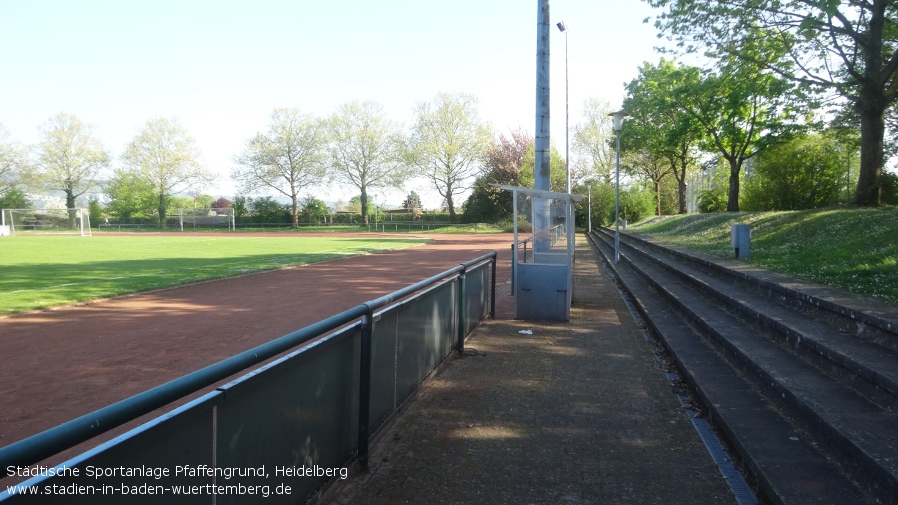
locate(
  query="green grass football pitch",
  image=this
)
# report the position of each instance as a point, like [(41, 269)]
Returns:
[(38, 272)]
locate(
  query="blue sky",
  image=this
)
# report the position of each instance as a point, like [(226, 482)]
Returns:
[(221, 67)]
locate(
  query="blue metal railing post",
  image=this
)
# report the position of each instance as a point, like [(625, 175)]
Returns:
[(513, 266), (462, 311), (493, 289)]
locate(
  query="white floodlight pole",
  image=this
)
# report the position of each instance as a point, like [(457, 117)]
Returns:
[(618, 122), (541, 210)]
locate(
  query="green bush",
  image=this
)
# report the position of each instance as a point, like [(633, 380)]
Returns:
[(712, 200), (889, 189)]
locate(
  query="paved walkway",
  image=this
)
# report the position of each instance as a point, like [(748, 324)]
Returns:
[(574, 413)]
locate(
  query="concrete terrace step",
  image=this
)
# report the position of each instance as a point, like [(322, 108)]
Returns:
[(867, 366), (684, 309), (868, 319)]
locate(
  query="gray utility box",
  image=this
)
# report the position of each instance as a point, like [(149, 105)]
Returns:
[(740, 238)]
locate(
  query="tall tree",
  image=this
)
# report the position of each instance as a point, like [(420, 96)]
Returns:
[(412, 202), (447, 143), (68, 157), (849, 48), (593, 142), (364, 149), (741, 111), (659, 125), (287, 159), (12, 162), (131, 196), (165, 156), (654, 167), (504, 162)]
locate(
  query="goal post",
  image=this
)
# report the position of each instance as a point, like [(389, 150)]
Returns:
[(191, 219), (74, 221)]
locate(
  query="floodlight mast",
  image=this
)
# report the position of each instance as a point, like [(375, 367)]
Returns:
[(541, 240)]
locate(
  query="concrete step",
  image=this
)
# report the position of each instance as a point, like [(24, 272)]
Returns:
[(829, 427), (867, 319), (866, 366)]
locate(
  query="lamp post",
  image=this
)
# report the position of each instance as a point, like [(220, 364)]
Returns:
[(589, 207), (567, 145), (618, 122)]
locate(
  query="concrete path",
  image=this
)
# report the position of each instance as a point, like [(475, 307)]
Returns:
[(574, 413)]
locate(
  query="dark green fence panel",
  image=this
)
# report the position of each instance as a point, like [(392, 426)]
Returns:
[(427, 334), (295, 415), (181, 438)]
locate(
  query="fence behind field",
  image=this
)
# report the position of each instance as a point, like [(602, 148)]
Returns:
[(279, 432)]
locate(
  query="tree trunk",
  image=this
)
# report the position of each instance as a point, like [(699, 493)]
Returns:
[(871, 105), (161, 210), (451, 206), (733, 194), (872, 113), (681, 187), (364, 200), (295, 213), (657, 198)]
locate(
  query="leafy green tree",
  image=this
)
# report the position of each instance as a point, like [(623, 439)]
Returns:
[(412, 202), (94, 211), (68, 158), (164, 155), (202, 201), (593, 143), (805, 173), (657, 124), (651, 166), (636, 204), (355, 205), (286, 159), (741, 111), (268, 210), (600, 199), (174, 203), (14, 198), (447, 144), (241, 206), (847, 48), (131, 196), (315, 209), (364, 150)]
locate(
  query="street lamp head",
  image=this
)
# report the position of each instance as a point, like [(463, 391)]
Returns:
[(562, 26), (618, 119)]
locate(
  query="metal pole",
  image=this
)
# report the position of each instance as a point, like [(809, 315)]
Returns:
[(589, 206), (367, 329), (617, 203), (567, 116), (542, 133), (462, 310)]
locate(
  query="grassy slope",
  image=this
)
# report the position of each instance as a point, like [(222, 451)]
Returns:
[(853, 249), (38, 272)]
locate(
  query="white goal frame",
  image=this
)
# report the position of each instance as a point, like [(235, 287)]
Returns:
[(190, 219), (45, 222)]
